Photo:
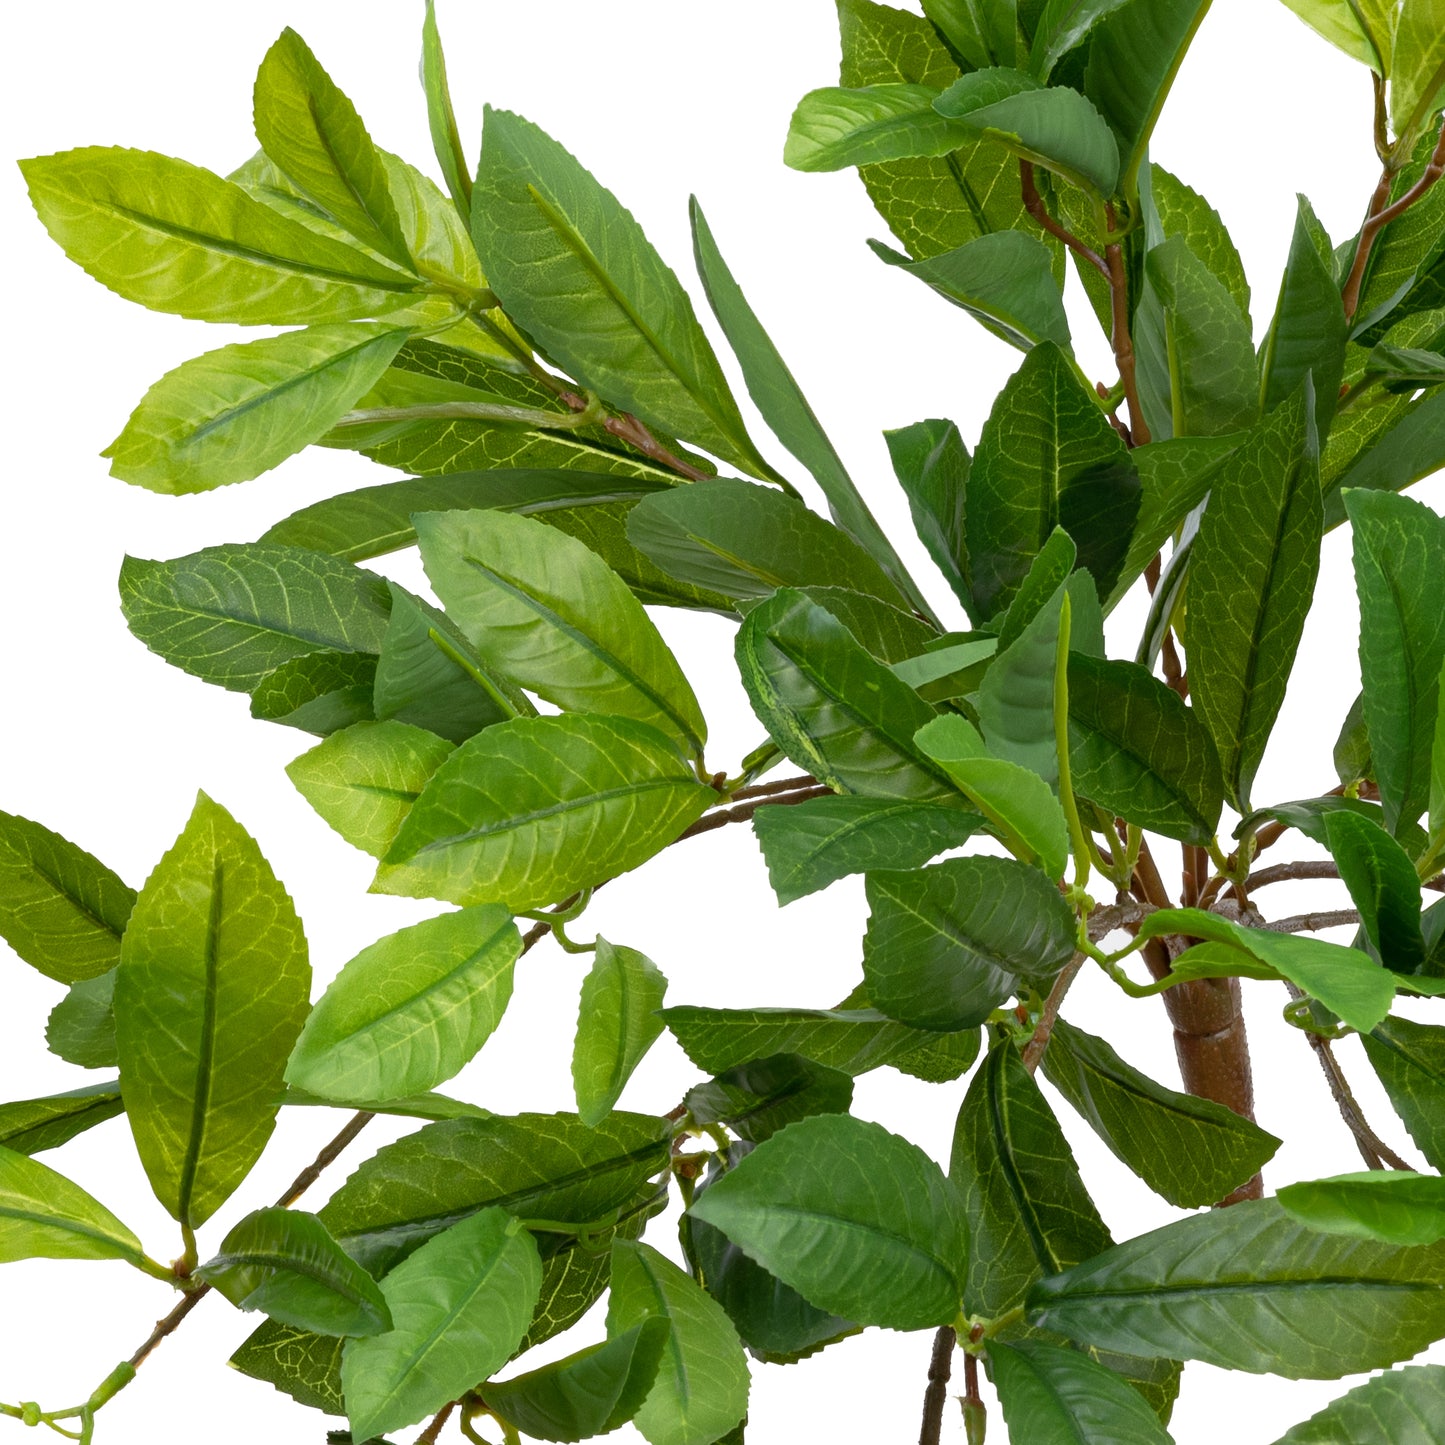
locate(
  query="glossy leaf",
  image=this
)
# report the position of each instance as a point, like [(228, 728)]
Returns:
[(178, 238), (983, 32), (1397, 1208), (1409, 1057), (617, 1024), (428, 1106), (758, 1098), (857, 1220), (1192, 1151), (1250, 583), (81, 1027), (701, 1387), (364, 779), (1402, 1407), (946, 945), (1400, 577), (303, 1365), (835, 128), (932, 466), (283, 1262), (1039, 591), (809, 845), (549, 614), (460, 1306), (1184, 212), (1015, 701), (1062, 26), (1251, 1289), (321, 692), (578, 276), (44, 1216), (1417, 65), (211, 993), (61, 909), (531, 810), (236, 412), (1384, 885), (29, 1126), (410, 1010), (232, 614), (1345, 26), (884, 632), (832, 708)]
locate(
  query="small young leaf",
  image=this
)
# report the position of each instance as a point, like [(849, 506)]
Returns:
[(81, 1027), (29, 1126), (1397, 1208), (1401, 1407), (932, 466), (757, 1099), (616, 1025), (446, 141), (44, 1216)]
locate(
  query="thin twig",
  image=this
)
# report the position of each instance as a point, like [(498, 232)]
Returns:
[(1293, 872), (1123, 341), (783, 785), (434, 1426), (940, 1369), (627, 428), (168, 1325), (1049, 1016), (744, 811), (1034, 205), (1313, 922)]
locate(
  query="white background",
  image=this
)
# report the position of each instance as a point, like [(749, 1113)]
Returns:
[(106, 744)]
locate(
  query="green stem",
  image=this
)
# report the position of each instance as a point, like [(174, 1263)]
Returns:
[(1078, 839)]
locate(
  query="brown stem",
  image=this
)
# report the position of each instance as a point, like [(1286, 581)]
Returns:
[(940, 1368), (1173, 668), (1292, 872), (744, 811), (1034, 205), (434, 1426), (1123, 342), (626, 427), (783, 785), (975, 1421), (1314, 922), (1049, 1016), (168, 1325)]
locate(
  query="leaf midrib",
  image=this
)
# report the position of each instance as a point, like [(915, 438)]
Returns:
[(206, 1046)]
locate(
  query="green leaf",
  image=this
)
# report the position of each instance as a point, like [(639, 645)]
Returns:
[(1028, 1211), (1384, 885), (1184, 212), (460, 1306), (1403, 275), (832, 708), (1403, 1407), (1051, 1394), (29, 1126), (946, 945), (1054, 127), (1134, 56), (531, 810), (1192, 1151), (44, 1216), (983, 32), (62, 910), (1063, 26), (1005, 280), (1249, 1288), (758, 1098), (617, 1024), (884, 632), (809, 845), (1047, 458), (303, 1365), (1251, 578), (1343, 24), (81, 1027), (410, 1010), (283, 1262), (575, 272), (553, 617), (320, 692), (1015, 701), (1400, 576), (746, 541), (178, 238), (364, 779), (1308, 333), (312, 131), (932, 466), (1018, 803), (835, 128), (209, 998), (1417, 68), (236, 412), (1410, 1059), (429, 1106), (859, 1221), (1348, 982), (1397, 1208), (1352, 748), (232, 614), (1138, 752), (538, 1166), (441, 121), (701, 1387), (589, 1393)]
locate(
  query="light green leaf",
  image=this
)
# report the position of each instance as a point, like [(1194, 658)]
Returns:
[(44, 1216), (554, 618), (1251, 578), (932, 466), (1249, 1288), (283, 1262), (320, 692), (29, 1126), (1343, 24), (234, 413), (1397, 1208), (1015, 701), (531, 810), (1017, 802), (61, 909), (1409, 1057), (701, 1388), (617, 1023), (1417, 67), (446, 142), (1184, 212), (946, 945), (178, 238), (1062, 27), (1384, 885), (410, 1010), (430, 1106), (1402, 1407), (460, 1306), (1051, 1394), (760, 1097), (835, 128), (209, 998), (81, 1027), (1192, 1151), (578, 276), (364, 779)]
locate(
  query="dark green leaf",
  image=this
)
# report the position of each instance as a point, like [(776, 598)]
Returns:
[(283, 1262), (1015, 701), (1404, 270), (1384, 885), (1403, 1407), (858, 1221), (885, 632), (531, 810), (297, 1362), (1192, 1151), (45, 1216), (932, 466), (320, 692), (1062, 26), (946, 945), (81, 1027), (1249, 1288), (616, 1025), (210, 995), (983, 32), (835, 128), (1352, 748), (1184, 212), (62, 910), (758, 1098), (1397, 1208), (1409, 1057), (29, 1126), (1051, 1394)]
